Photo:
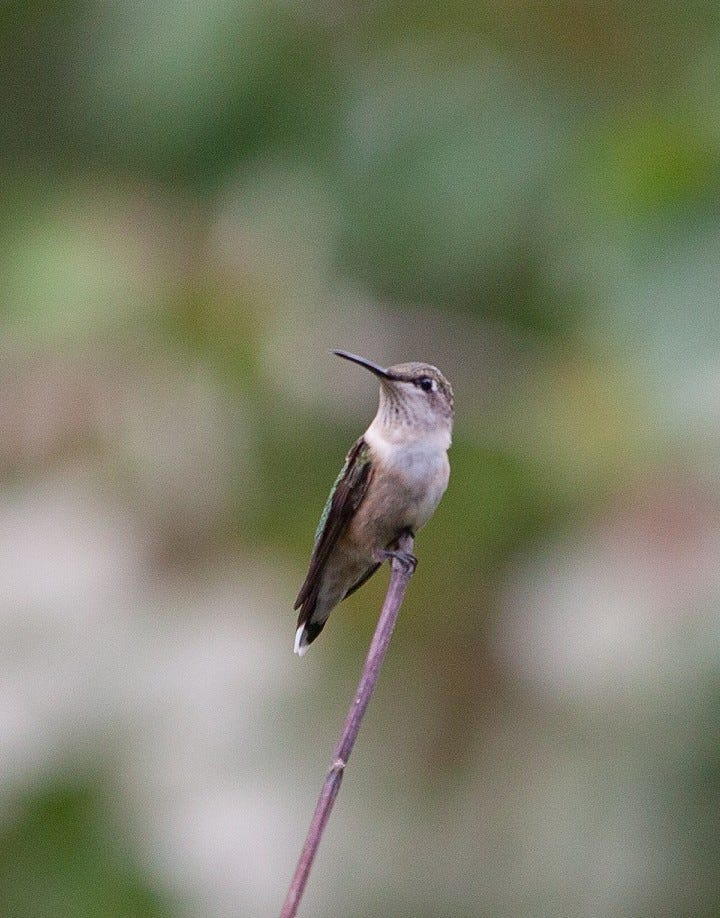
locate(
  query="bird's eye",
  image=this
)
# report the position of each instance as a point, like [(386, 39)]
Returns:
[(427, 384)]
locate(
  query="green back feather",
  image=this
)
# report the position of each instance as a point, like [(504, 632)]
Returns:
[(361, 459)]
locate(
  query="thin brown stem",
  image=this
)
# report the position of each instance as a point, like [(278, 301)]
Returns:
[(399, 579)]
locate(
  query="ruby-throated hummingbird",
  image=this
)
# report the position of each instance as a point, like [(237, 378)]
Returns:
[(391, 483)]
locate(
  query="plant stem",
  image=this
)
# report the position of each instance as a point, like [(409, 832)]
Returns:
[(399, 579)]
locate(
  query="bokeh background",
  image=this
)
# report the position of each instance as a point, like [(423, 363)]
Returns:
[(198, 201)]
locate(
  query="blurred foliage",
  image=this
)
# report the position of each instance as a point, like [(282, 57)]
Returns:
[(61, 856)]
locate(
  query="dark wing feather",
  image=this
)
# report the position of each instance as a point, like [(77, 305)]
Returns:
[(345, 497)]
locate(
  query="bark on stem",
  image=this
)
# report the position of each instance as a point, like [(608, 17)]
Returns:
[(399, 579)]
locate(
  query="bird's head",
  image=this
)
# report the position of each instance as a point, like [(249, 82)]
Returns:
[(413, 396)]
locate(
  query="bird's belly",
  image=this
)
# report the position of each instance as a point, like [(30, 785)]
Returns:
[(423, 476), (348, 563), (402, 495), (426, 501)]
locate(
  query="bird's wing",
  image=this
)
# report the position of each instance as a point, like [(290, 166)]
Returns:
[(346, 496)]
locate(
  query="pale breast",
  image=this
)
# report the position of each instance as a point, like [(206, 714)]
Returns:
[(424, 475), (407, 485)]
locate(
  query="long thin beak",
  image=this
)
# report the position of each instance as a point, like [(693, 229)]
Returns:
[(368, 364)]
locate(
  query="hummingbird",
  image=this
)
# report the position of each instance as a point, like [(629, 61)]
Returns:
[(390, 485)]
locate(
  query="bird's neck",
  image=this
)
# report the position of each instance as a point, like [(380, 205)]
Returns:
[(385, 438)]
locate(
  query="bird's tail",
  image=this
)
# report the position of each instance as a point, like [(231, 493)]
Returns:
[(306, 633), (312, 616)]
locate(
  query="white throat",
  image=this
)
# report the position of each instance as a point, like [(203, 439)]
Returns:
[(387, 440)]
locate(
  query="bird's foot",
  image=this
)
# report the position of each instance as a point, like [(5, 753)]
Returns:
[(406, 560)]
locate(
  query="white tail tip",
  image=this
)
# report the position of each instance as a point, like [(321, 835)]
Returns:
[(301, 645)]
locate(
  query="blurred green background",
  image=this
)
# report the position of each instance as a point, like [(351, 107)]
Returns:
[(198, 201)]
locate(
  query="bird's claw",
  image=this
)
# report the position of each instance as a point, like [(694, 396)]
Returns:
[(406, 560)]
